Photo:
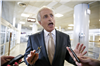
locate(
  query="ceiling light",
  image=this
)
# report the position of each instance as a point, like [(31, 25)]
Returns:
[(21, 4), (58, 15), (22, 22), (29, 19), (70, 25), (25, 15), (99, 19)]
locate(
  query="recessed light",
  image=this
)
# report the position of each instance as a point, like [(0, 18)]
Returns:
[(70, 25), (22, 4)]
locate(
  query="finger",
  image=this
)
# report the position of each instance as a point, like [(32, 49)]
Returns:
[(83, 49), (80, 47), (35, 58), (19, 60), (84, 53), (78, 64), (32, 55), (16, 64), (8, 57), (74, 59), (28, 58), (77, 46)]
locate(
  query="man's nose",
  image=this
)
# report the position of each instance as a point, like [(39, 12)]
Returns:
[(50, 18)]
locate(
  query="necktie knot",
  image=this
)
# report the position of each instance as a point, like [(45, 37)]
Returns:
[(50, 34)]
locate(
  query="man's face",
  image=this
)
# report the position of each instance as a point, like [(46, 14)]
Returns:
[(47, 19)]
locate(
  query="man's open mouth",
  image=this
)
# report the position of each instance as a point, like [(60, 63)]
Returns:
[(50, 24)]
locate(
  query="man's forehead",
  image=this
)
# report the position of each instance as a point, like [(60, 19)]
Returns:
[(46, 11)]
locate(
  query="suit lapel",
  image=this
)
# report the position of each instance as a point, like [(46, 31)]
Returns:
[(43, 48)]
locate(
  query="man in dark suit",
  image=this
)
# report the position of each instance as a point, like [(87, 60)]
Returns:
[(59, 43)]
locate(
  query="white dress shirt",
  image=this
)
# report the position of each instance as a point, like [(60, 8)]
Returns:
[(46, 38)]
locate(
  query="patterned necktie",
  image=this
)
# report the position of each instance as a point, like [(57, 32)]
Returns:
[(51, 48)]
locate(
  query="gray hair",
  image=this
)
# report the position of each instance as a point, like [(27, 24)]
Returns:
[(38, 14)]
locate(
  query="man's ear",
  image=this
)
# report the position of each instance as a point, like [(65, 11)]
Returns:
[(40, 22)]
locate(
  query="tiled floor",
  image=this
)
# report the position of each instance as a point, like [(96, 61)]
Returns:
[(20, 49)]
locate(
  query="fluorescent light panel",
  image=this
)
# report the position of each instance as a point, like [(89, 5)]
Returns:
[(31, 19), (70, 25), (22, 22), (25, 15), (58, 15)]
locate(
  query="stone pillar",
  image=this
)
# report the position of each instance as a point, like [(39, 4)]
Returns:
[(19, 33)]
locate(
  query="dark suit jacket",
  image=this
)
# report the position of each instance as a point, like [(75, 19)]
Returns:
[(61, 53)]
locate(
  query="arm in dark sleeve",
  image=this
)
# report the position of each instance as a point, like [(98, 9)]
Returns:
[(68, 57), (28, 49)]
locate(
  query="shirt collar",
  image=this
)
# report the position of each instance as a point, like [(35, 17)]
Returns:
[(46, 32)]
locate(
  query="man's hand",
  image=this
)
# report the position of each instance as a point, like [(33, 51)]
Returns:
[(5, 59), (78, 51), (87, 61), (32, 57)]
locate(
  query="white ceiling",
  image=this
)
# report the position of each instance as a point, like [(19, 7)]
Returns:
[(11, 9)]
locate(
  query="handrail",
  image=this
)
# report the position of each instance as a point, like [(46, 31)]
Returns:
[(94, 41)]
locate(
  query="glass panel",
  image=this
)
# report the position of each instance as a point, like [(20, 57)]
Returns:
[(2, 39), (1, 50)]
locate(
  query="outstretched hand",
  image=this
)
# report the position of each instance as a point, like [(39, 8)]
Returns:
[(79, 50)]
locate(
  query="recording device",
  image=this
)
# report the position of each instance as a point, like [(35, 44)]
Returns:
[(77, 59), (20, 56), (16, 59)]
